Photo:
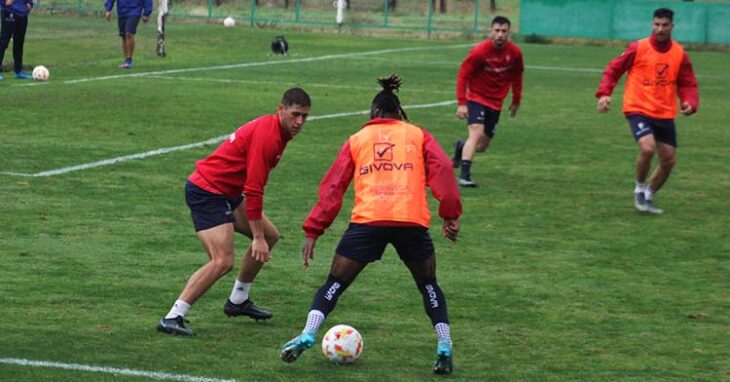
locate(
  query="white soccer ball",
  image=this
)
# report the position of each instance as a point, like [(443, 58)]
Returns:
[(342, 344), (40, 73), (229, 22)]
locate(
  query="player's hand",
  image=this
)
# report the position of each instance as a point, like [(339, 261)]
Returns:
[(513, 110), (603, 104), (145, 19), (260, 250), (308, 250), (687, 109), (108, 16), (461, 112), (451, 229)]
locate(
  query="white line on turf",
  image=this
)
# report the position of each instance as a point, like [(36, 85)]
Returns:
[(211, 141), (308, 85), (260, 63), (111, 370)]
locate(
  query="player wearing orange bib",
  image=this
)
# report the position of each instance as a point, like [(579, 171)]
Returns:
[(390, 162), (659, 73)]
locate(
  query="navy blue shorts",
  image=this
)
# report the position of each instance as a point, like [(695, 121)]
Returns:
[(207, 209), (366, 243), (483, 115), (663, 129), (127, 24)]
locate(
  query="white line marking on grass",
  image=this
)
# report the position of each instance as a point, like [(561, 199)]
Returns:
[(211, 141), (260, 63), (308, 85), (111, 370)]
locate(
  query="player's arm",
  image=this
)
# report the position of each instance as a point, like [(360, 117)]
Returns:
[(467, 69), (612, 74), (260, 157), (517, 74), (108, 6), (689, 96), (442, 182), (331, 190), (146, 10)]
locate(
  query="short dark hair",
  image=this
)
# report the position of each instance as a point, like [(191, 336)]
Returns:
[(386, 104), (664, 13), (296, 96), (501, 20)]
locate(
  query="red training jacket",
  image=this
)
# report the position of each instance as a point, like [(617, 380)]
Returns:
[(241, 164), (487, 72)]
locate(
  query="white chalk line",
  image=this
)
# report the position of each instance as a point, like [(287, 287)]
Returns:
[(254, 64), (308, 85), (111, 370), (207, 142)]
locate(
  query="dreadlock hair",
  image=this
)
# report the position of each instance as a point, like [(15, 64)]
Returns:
[(386, 104)]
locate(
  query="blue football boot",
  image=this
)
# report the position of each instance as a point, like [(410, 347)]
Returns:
[(444, 359), (294, 348), (23, 76)]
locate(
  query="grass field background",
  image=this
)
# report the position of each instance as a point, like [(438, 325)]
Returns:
[(555, 276)]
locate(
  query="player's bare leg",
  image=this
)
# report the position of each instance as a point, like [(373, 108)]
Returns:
[(239, 303), (647, 146), (476, 142), (666, 154), (218, 243)]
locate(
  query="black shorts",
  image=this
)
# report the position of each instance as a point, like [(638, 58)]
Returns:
[(483, 115), (127, 24), (207, 209), (663, 129), (366, 243)]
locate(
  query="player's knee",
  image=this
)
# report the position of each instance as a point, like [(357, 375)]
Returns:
[(223, 265), (668, 163), (646, 151)]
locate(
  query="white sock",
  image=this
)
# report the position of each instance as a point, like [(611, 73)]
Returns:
[(649, 194), (443, 332), (240, 291), (640, 187), (180, 308), (315, 318)]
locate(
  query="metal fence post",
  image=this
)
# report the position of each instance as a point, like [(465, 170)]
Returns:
[(252, 13), (386, 9), (430, 17), (298, 12), (79, 9), (210, 8), (476, 17)]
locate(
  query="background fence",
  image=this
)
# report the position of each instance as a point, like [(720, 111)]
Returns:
[(696, 22), (462, 16)]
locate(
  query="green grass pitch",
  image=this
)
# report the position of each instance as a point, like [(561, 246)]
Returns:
[(555, 276)]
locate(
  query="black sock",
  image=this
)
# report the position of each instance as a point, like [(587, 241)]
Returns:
[(434, 301), (326, 297), (466, 169)]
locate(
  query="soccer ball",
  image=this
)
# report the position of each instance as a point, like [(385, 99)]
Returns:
[(40, 73), (229, 22), (342, 344)]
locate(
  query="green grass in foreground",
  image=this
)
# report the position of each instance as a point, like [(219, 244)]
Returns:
[(555, 278)]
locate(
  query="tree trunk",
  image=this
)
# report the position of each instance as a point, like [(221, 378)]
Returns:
[(493, 5), (391, 5), (286, 4), (443, 4)]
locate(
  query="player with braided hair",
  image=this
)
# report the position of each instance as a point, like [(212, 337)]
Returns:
[(391, 163)]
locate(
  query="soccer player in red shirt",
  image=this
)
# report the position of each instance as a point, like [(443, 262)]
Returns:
[(225, 195), (660, 72), (484, 79), (391, 163)]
